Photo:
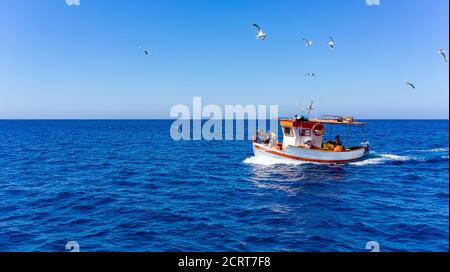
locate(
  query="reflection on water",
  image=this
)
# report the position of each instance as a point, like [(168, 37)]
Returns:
[(297, 192), (293, 177), (306, 172)]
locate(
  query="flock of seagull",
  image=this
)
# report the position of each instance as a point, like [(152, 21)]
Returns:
[(260, 35), (443, 53), (331, 45)]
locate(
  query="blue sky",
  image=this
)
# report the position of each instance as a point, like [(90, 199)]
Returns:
[(58, 61)]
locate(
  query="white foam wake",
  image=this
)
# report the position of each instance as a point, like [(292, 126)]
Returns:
[(433, 150), (267, 161), (382, 159)]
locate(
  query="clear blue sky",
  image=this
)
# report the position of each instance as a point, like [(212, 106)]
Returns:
[(58, 61)]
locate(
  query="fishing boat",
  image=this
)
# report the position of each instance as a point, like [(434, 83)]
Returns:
[(303, 140)]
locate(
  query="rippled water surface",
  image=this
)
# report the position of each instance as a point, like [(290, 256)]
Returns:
[(127, 186)]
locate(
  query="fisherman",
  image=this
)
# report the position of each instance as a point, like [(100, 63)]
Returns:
[(337, 140), (338, 144), (310, 145)]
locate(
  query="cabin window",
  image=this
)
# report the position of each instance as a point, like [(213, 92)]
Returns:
[(305, 132), (288, 132)]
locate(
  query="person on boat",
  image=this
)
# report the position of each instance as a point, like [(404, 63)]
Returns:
[(337, 140), (310, 145), (335, 145), (263, 136)]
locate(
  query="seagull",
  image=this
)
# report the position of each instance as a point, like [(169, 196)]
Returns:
[(308, 42), (410, 84), (310, 107), (444, 55), (260, 35), (146, 51), (310, 74), (331, 43)]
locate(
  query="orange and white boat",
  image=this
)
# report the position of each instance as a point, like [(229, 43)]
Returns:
[(303, 140)]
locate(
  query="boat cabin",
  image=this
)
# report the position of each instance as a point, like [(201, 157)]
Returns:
[(300, 132)]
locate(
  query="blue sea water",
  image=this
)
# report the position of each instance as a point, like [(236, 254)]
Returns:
[(127, 186)]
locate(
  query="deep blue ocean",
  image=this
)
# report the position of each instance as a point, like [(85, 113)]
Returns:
[(127, 186)]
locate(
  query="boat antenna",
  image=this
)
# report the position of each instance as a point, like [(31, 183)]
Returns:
[(316, 112)]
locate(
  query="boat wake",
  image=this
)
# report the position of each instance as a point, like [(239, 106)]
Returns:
[(380, 159), (439, 150), (267, 161)]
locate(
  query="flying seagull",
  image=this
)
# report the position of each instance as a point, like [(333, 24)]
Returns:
[(146, 51), (410, 84), (310, 74), (260, 35), (331, 43), (443, 54), (310, 107), (308, 42)]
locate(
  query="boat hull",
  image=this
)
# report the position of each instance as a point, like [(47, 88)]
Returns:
[(310, 155)]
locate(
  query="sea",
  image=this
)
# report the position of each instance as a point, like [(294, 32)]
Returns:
[(127, 185)]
